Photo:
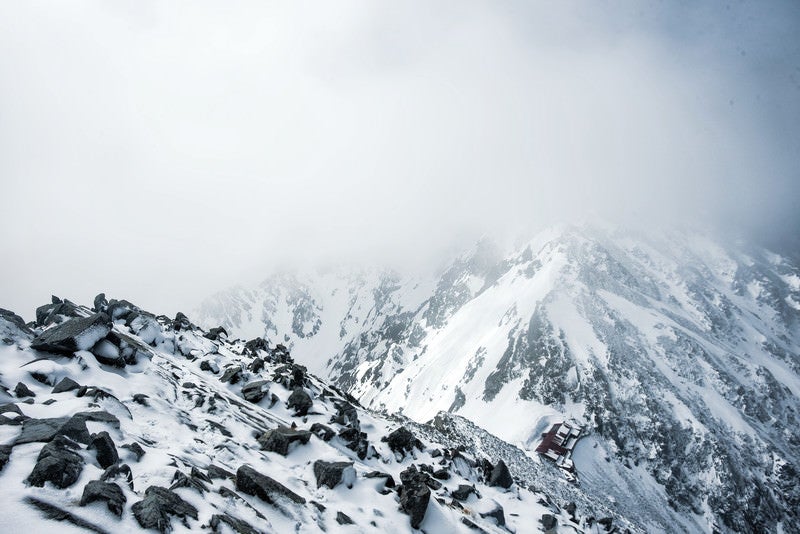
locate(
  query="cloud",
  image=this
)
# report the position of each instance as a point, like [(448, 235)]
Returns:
[(160, 151)]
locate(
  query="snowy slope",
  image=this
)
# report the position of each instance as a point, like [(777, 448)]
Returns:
[(179, 429), (678, 353)]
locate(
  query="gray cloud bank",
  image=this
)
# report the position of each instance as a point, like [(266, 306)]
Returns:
[(161, 150)]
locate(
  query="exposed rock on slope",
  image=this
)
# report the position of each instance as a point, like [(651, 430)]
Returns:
[(161, 442)]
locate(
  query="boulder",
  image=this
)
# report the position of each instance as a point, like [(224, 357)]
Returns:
[(232, 374), (65, 384), (100, 302), (402, 441), (496, 513), (500, 476), (106, 450), (108, 492), (256, 365), (332, 474), (255, 345), (116, 471), (323, 432), (255, 391), (16, 320), (343, 519), (58, 463), (278, 439), (34, 430), (251, 482), (135, 448), (181, 322), (215, 471), (158, 505), (463, 492), (549, 522), (80, 333), (299, 401), (238, 526), (22, 391), (215, 333), (414, 495)]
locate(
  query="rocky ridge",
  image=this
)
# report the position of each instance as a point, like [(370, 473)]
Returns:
[(113, 419)]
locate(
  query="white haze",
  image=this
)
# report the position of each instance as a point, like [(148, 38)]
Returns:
[(159, 151)]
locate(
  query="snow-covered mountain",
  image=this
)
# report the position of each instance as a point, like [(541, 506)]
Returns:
[(113, 419), (679, 354)]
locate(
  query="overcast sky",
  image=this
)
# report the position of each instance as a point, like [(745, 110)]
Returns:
[(160, 151)]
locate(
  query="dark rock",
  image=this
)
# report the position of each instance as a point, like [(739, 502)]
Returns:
[(58, 463), (500, 476), (441, 474), (106, 450), (42, 378), (239, 526), (205, 365), (5, 455), (181, 322), (232, 374), (66, 384), (463, 492), (250, 481), (343, 519), (346, 415), (54, 513), (215, 471), (300, 401), (118, 470), (156, 507), (331, 474), (21, 391), (255, 345), (40, 429), (356, 441), (48, 402), (109, 492), (497, 514), (99, 416), (402, 441), (122, 309), (215, 333), (256, 365), (189, 385), (100, 302), (182, 480), (607, 522), (135, 448), (548, 521), (16, 320), (141, 398), (278, 439), (52, 313), (255, 391), (46, 429), (80, 333), (414, 495), (571, 508), (323, 432)]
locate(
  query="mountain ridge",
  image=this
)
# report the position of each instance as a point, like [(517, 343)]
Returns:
[(649, 341)]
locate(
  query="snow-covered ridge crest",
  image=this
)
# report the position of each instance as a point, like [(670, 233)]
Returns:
[(678, 351)]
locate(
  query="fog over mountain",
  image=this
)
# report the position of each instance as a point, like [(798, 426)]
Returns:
[(162, 151)]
